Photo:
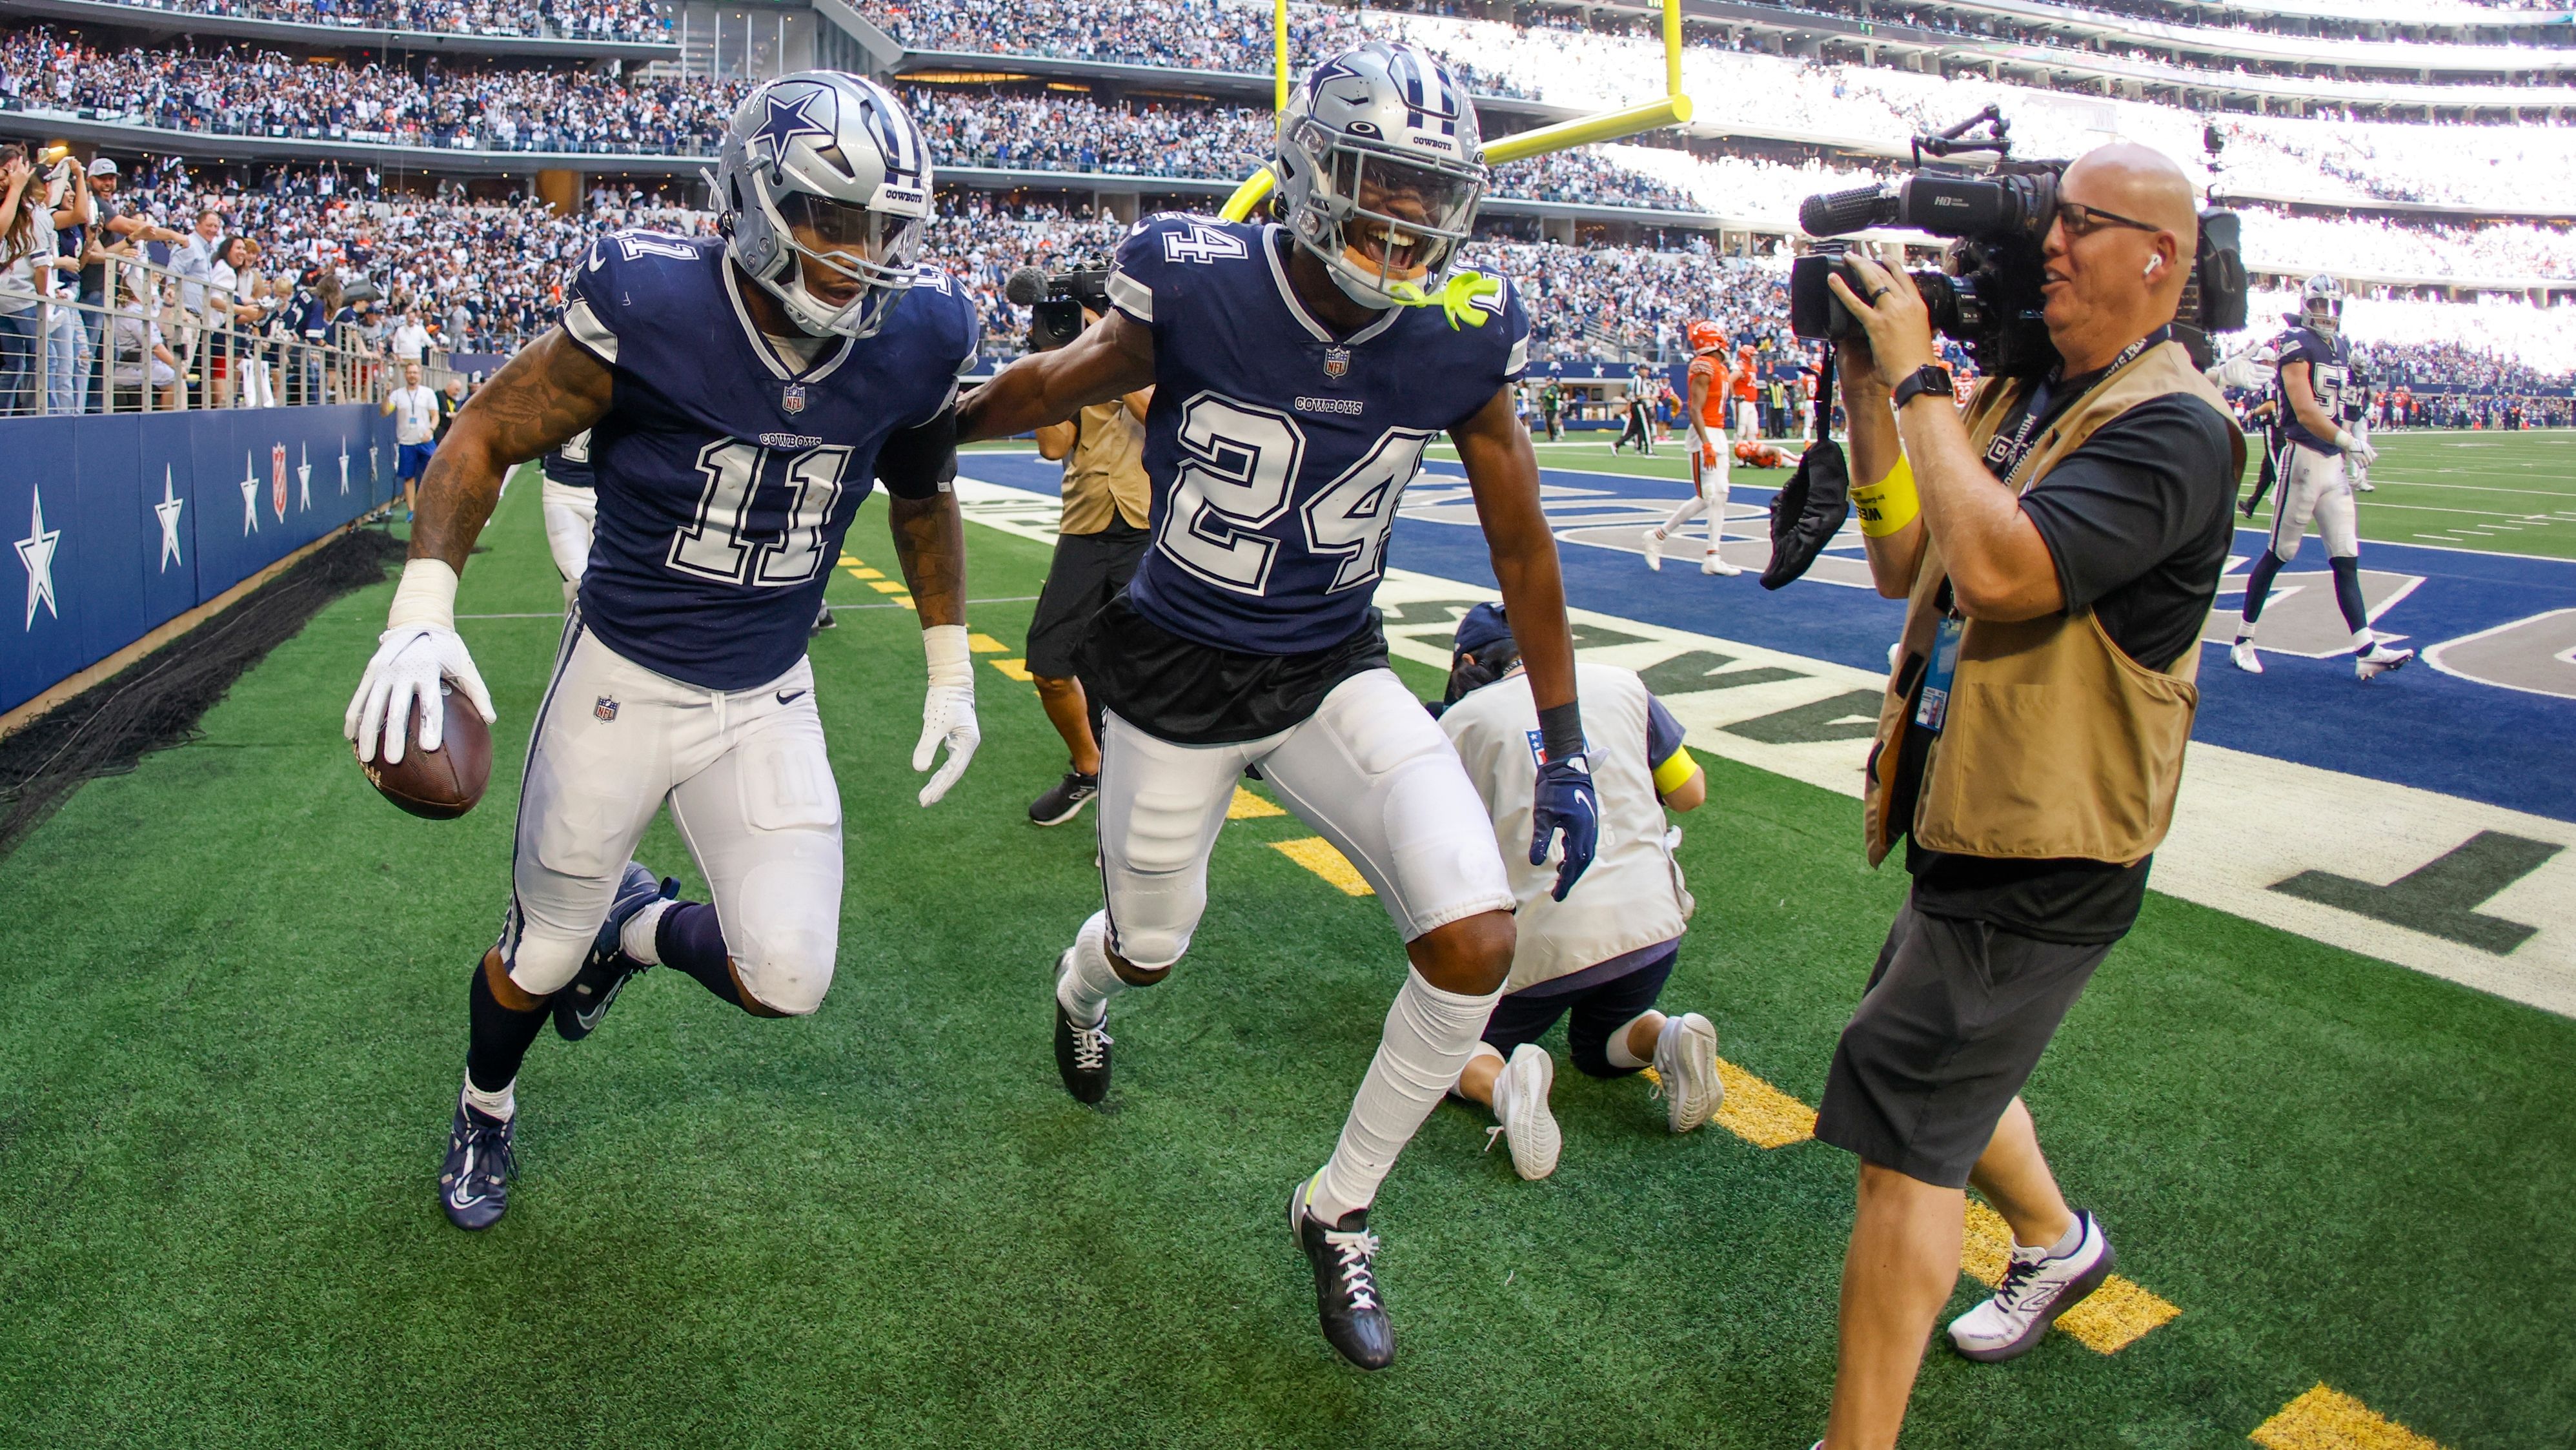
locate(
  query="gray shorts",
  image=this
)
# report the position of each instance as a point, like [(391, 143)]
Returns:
[(1954, 1018)]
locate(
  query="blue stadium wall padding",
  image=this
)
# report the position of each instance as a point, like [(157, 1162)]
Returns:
[(242, 488)]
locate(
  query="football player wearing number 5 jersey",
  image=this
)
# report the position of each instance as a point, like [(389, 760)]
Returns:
[(1299, 371), (741, 396)]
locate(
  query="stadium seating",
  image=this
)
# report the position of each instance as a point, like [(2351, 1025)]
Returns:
[(567, 19)]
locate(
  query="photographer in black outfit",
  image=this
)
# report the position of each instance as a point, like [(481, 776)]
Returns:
[(2059, 541)]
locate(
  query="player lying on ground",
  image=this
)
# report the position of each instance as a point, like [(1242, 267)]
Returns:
[(2313, 361), (740, 395), (1706, 413), (1602, 954), (1294, 393)]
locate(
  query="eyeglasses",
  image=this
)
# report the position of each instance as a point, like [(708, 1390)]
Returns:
[(2083, 221)]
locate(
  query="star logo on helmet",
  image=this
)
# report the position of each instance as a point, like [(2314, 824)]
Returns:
[(789, 116)]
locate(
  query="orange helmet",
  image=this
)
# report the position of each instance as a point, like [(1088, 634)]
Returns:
[(1704, 336)]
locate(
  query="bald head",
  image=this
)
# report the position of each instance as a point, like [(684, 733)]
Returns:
[(2138, 182)]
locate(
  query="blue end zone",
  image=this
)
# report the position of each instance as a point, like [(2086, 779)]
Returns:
[(2418, 727)]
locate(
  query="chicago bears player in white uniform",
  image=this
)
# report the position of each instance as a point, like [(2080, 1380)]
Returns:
[(741, 394), (2314, 368), (1299, 371)]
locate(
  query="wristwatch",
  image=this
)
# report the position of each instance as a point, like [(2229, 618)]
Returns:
[(1931, 377)]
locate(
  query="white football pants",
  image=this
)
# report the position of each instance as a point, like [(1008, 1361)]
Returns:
[(569, 514), (1748, 421), (1708, 483), (750, 790), (2313, 486), (1369, 770)]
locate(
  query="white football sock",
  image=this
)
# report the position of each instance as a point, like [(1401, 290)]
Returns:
[(2363, 639), (636, 938), (1430, 1034), (2244, 630), (1617, 1051), (503, 1104), (1085, 989)]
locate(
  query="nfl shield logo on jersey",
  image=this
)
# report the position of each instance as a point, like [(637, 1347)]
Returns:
[(793, 399), (1337, 361), (606, 709)]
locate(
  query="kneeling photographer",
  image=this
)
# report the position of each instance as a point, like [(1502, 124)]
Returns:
[(2058, 540), (1099, 537)]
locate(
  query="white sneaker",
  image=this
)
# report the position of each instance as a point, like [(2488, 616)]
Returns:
[(1712, 564), (2242, 655), (2378, 660), (2363, 485), (1520, 1103), (1655, 550), (1686, 1060), (2035, 1291)]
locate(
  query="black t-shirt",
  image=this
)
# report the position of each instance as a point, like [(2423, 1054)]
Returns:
[(2138, 522)]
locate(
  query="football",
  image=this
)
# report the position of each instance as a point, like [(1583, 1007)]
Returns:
[(445, 783)]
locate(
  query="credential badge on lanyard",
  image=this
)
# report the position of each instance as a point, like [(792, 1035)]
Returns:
[(1933, 711)]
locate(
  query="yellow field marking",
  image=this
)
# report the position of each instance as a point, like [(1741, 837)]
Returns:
[(885, 586), (857, 572), (1759, 1113), (1016, 669), (2324, 1419), (1317, 855), (985, 644), (1250, 807), (2110, 1319), (903, 599)]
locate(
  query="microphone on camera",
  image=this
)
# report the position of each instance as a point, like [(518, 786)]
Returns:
[(1026, 288), (1838, 213)]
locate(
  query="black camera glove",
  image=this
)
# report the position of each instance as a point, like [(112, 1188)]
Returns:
[(1810, 510)]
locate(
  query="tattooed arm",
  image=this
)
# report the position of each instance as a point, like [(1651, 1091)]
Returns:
[(930, 545), (545, 395)]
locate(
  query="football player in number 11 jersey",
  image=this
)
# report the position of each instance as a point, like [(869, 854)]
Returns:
[(1299, 371), (742, 394)]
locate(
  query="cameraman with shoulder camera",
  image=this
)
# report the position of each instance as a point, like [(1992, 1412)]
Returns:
[(1098, 541), (2059, 541)]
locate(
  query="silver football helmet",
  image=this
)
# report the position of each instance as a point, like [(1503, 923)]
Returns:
[(825, 181), (2321, 304), (1380, 166)]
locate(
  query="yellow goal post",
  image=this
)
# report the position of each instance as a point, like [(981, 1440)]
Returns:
[(1673, 110)]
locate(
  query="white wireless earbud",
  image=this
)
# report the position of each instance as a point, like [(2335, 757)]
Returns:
[(2152, 264)]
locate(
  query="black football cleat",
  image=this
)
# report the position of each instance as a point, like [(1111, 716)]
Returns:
[(1343, 1257), (474, 1183), (1081, 1053), (1065, 799), (605, 972), (823, 620)]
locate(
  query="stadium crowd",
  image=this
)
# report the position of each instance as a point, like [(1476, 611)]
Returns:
[(482, 276), (567, 19), (243, 92)]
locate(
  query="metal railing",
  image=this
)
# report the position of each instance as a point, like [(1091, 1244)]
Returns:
[(158, 341)]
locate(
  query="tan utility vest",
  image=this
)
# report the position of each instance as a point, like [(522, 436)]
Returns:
[(2056, 744)]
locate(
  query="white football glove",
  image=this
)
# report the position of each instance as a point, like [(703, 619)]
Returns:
[(404, 674), (419, 645), (2362, 450), (947, 710)]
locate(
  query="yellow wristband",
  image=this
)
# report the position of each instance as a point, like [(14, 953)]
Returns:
[(1889, 504), (1675, 772)]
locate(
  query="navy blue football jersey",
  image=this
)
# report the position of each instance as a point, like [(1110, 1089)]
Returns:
[(570, 464), (1277, 449), (726, 471), (2328, 364)]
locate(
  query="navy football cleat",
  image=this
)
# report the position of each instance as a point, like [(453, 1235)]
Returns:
[(606, 971), (1344, 1258), (474, 1184), (1081, 1053)]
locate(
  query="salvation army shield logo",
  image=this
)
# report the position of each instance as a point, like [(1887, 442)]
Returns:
[(277, 478)]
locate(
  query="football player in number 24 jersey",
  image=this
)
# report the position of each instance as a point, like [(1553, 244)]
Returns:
[(1299, 371), (741, 394)]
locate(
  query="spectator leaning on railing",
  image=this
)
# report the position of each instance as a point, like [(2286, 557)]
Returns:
[(26, 251)]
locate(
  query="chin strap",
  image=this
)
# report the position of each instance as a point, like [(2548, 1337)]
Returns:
[(1457, 296)]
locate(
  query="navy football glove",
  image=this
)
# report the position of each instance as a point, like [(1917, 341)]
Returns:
[(1566, 803)]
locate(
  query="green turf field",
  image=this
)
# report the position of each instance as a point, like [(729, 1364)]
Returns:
[(237, 984), (2511, 492)]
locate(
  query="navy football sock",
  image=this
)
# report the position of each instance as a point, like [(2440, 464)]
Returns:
[(689, 938), (2347, 577), (2258, 585), (497, 1038)]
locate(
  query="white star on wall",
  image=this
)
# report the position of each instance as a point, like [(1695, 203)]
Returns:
[(304, 481), (250, 496), (344, 467), (168, 508), (36, 555)]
